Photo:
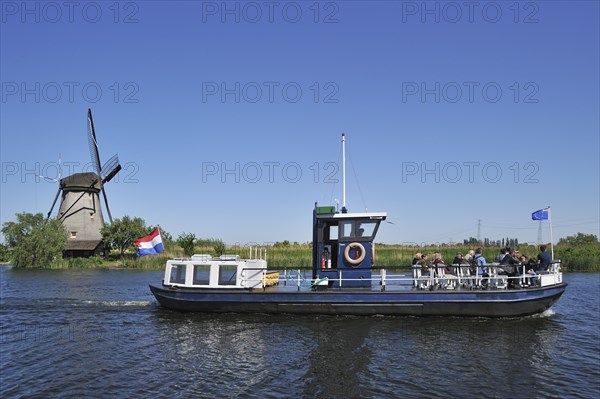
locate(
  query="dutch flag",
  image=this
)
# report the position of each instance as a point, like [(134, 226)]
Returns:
[(150, 244)]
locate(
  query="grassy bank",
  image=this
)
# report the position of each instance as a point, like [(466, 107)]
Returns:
[(574, 258)]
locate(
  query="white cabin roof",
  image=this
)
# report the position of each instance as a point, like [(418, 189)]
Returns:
[(370, 215)]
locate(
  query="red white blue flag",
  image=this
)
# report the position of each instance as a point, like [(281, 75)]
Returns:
[(150, 244), (542, 214)]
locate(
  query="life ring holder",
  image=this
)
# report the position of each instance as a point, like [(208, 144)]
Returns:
[(359, 246)]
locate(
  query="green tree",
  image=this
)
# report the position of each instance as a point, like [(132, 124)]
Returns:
[(284, 244), (121, 233), (580, 239), (4, 252), (187, 242), (35, 242), (15, 232)]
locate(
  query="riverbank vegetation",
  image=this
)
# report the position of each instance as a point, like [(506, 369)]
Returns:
[(33, 241), (575, 257)]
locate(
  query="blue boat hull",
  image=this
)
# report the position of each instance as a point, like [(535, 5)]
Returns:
[(473, 303)]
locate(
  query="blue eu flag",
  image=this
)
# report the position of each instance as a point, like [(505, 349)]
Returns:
[(542, 214)]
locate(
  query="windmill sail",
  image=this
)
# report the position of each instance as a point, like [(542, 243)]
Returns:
[(106, 172), (110, 169), (93, 143)]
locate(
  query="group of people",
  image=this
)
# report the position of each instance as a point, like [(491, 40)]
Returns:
[(511, 264)]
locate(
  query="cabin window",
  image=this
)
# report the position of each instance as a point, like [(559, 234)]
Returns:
[(227, 274), (346, 229), (178, 274), (359, 229), (333, 232), (73, 234), (366, 229), (201, 275)]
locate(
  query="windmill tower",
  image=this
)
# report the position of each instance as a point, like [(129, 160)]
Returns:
[(80, 210)]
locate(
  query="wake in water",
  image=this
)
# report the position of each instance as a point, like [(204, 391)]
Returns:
[(120, 303), (544, 314)]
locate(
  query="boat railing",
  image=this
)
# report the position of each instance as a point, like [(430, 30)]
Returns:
[(459, 276)]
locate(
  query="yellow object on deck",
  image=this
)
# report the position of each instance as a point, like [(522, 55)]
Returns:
[(270, 279)]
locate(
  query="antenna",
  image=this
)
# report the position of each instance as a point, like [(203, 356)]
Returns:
[(344, 210), (479, 231)]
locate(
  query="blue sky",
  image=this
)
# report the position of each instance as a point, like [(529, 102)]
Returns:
[(227, 116)]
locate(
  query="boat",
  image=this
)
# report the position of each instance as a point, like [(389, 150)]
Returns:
[(344, 280)]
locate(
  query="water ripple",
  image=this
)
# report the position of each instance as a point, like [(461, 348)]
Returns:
[(101, 334)]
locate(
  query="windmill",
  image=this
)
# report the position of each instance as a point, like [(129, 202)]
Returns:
[(80, 210)]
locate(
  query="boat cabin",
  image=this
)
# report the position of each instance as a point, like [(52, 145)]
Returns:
[(226, 272), (344, 245)]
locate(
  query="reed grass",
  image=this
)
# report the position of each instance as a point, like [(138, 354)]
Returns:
[(574, 258)]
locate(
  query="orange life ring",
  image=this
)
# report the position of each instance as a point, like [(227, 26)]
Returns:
[(358, 246)]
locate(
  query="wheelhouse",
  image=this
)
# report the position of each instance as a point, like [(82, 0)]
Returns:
[(344, 245)]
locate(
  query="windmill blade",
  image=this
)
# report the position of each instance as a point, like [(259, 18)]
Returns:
[(59, 173), (106, 203), (110, 169), (53, 203), (93, 143), (48, 179)]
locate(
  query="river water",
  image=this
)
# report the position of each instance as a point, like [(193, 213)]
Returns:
[(100, 334)]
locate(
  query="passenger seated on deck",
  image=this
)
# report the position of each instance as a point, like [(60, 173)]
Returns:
[(424, 264), (510, 264), (543, 259), (416, 258), (529, 265), (458, 259), (461, 261), (501, 255), (469, 259), (480, 264), (520, 265), (438, 262)]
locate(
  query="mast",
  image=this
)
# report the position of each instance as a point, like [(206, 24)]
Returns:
[(344, 210), (551, 238)]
